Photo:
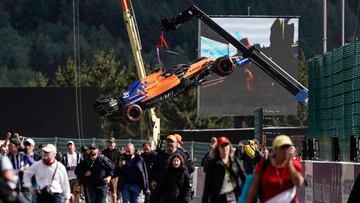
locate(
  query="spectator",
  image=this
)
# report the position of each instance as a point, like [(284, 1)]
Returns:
[(6, 140), (51, 178), (3, 151), (138, 152), (162, 159), (277, 177), (20, 162), (7, 192), (224, 175), (40, 147), (112, 153), (207, 157), (213, 141), (239, 149), (265, 152), (149, 157), (70, 160), (85, 152), (29, 145), (190, 166), (250, 155), (174, 186), (134, 176), (96, 172)]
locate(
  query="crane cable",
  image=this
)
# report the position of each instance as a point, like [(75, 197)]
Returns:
[(78, 99)]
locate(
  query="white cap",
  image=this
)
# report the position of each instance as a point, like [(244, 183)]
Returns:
[(49, 148), (70, 142), (31, 141)]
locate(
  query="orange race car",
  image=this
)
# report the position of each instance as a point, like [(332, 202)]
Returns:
[(159, 86)]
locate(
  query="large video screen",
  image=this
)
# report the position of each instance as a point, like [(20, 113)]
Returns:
[(49, 112), (248, 87)]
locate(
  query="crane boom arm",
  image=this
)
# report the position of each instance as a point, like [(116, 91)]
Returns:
[(272, 69), (133, 33)]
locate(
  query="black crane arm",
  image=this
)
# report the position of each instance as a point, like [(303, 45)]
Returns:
[(272, 69)]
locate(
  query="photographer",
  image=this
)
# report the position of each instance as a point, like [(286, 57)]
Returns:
[(51, 178)]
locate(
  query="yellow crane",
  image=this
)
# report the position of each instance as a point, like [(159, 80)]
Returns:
[(133, 33)]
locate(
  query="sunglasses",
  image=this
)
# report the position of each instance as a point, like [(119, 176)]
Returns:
[(92, 148)]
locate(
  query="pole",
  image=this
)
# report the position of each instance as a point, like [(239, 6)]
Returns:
[(342, 22), (324, 26)]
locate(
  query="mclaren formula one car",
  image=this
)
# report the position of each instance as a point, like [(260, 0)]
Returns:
[(161, 86)]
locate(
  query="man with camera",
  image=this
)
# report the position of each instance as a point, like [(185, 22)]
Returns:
[(51, 177)]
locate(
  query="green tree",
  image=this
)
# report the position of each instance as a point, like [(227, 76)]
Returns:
[(14, 49), (15, 77), (40, 80)]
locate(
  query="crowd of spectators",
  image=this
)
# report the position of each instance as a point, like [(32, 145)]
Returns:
[(129, 175), (93, 174)]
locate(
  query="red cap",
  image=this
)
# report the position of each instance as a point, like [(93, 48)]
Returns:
[(223, 140)]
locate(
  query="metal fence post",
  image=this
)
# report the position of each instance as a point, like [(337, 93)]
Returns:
[(192, 150), (56, 141), (94, 140)]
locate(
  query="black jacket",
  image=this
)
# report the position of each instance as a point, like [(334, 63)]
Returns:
[(114, 155), (149, 162), (215, 176), (101, 168), (161, 162), (141, 167), (355, 194), (174, 186), (249, 163), (205, 160)]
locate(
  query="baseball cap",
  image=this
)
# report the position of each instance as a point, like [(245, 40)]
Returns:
[(178, 138), (112, 139), (223, 140), (70, 142), (49, 148), (172, 138), (30, 141), (282, 140), (93, 146)]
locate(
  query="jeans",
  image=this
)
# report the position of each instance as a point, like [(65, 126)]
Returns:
[(96, 194), (130, 193)]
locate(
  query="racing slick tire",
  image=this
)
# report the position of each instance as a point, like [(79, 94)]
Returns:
[(223, 66), (133, 113)]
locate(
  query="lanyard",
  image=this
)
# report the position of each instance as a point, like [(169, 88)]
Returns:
[(279, 177)]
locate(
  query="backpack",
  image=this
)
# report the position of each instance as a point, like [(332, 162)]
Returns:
[(190, 164), (65, 159), (248, 183)]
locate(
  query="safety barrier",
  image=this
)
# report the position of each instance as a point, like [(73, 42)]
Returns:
[(327, 182)]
